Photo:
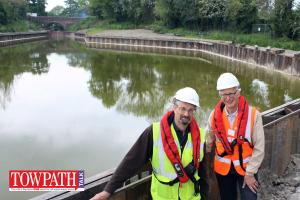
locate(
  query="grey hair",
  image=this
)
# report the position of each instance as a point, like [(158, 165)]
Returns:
[(175, 101)]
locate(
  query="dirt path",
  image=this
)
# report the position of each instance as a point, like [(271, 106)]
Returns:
[(139, 33)]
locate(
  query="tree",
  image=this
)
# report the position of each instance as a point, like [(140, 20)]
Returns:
[(247, 16), (212, 13), (148, 10), (37, 6), (103, 9), (41, 7), (75, 8), (3, 16), (188, 12), (296, 23), (136, 11), (282, 18), (166, 12), (176, 13), (241, 14), (72, 8), (264, 8), (12, 10), (56, 11)]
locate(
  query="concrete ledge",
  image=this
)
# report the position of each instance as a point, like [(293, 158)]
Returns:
[(7, 39)]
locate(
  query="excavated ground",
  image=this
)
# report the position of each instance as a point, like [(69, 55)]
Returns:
[(284, 187)]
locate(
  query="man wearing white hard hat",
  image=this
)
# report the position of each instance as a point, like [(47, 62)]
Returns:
[(236, 128), (175, 148)]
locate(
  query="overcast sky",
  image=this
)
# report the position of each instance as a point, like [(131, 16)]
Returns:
[(52, 3)]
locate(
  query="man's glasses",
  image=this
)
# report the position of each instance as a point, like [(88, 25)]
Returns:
[(183, 110), (230, 95)]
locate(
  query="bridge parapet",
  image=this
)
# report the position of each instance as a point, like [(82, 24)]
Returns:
[(63, 21)]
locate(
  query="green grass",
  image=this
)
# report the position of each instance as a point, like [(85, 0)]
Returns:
[(263, 40), (84, 24)]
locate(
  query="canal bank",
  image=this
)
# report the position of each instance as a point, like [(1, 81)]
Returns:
[(7, 39), (285, 61)]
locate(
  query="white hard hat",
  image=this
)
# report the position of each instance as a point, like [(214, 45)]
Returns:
[(227, 80), (188, 95)]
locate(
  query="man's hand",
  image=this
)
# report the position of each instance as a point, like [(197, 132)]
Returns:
[(251, 182), (210, 139), (101, 196)]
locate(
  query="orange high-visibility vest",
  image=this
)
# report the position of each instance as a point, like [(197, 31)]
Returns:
[(222, 164)]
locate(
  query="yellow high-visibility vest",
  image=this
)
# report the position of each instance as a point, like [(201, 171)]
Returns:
[(164, 170)]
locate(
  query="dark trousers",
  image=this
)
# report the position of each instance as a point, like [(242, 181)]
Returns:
[(228, 187)]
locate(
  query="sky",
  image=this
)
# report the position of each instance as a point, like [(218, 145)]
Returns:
[(52, 3)]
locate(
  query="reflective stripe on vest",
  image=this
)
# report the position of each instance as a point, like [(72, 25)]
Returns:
[(222, 159), (237, 162), (164, 171), (222, 164)]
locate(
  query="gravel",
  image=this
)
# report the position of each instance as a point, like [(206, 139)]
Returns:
[(284, 187)]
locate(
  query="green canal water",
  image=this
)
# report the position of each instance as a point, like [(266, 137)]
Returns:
[(63, 106)]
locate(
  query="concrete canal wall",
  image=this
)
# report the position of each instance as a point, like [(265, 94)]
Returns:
[(271, 58), (7, 39)]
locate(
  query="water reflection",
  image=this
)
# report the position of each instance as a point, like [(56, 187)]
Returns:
[(142, 84), (132, 82), (261, 92), (15, 61), (64, 106)]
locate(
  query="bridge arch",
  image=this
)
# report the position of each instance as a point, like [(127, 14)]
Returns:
[(55, 26)]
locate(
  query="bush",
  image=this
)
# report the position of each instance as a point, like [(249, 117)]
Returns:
[(20, 26)]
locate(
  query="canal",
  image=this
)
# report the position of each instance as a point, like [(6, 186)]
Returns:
[(63, 106)]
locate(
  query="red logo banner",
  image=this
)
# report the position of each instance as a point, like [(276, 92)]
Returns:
[(46, 180)]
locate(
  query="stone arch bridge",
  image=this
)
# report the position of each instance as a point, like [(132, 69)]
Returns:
[(47, 21)]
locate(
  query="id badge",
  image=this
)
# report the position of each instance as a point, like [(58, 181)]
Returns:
[(231, 132)]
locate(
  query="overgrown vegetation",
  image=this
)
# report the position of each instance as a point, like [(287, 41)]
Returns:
[(13, 13), (237, 16), (20, 26), (92, 25), (263, 40)]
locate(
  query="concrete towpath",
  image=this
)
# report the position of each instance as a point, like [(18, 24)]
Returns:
[(138, 33)]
